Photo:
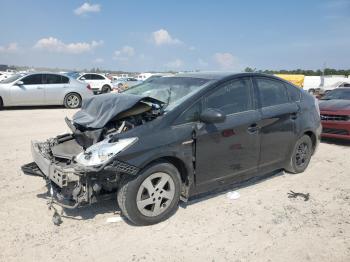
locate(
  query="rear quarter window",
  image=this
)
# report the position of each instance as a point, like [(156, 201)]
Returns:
[(294, 93)]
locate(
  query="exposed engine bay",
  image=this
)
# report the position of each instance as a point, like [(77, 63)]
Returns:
[(81, 166)]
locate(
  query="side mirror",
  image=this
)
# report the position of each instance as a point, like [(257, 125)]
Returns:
[(19, 83), (212, 116), (82, 78)]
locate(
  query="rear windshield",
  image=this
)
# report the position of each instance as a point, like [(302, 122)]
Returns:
[(170, 90)]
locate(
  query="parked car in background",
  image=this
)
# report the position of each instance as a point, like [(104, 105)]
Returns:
[(124, 83), (335, 113), (99, 83), (4, 75), (178, 137), (326, 89), (39, 88)]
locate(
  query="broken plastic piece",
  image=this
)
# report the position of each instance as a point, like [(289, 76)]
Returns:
[(233, 195), (292, 194), (114, 219)]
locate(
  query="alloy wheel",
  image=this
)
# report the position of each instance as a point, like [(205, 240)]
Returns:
[(73, 101), (302, 154), (155, 194)]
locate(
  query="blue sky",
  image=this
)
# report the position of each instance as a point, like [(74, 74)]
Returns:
[(176, 35)]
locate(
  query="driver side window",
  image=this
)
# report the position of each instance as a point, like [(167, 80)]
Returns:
[(231, 97)]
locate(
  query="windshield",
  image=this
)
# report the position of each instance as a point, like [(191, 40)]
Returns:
[(338, 94), (170, 90), (11, 79)]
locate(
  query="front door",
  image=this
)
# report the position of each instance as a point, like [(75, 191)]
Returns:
[(30, 93), (228, 150)]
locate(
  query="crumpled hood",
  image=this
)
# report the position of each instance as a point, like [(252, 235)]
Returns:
[(98, 110), (334, 105)]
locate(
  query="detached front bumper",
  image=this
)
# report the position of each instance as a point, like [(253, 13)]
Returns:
[(74, 185), (61, 176)]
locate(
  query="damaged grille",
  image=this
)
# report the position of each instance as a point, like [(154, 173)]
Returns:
[(122, 167), (335, 131)]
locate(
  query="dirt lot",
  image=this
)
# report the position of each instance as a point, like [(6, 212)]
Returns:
[(262, 225)]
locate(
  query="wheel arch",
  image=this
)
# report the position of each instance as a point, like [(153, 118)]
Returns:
[(313, 138), (185, 170)]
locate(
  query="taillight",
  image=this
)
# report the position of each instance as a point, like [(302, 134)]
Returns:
[(88, 87)]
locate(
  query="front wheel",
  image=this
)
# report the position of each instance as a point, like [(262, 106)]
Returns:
[(72, 100), (151, 197), (301, 155)]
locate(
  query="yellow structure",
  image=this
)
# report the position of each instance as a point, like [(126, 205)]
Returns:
[(297, 80)]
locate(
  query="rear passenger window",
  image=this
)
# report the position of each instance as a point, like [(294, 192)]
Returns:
[(65, 80), (232, 97), (52, 79), (97, 77), (271, 92), (294, 93)]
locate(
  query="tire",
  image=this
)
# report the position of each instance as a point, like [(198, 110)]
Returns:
[(1, 104), (301, 155), (72, 101), (106, 89), (151, 197)]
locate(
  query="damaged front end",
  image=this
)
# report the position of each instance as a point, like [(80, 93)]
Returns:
[(82, 167)]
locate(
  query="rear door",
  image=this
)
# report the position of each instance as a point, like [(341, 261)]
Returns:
[(30, 93), (228, 150), (277, 125), (55, 86)]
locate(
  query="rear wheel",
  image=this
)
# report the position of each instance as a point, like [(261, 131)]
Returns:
[(106, 89), (301, 155), (72, 100), (151, 197)]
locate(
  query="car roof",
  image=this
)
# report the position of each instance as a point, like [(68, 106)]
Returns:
[(222, 75), (206, 75)]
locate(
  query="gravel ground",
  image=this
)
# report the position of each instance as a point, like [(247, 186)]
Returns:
[(262, 225)]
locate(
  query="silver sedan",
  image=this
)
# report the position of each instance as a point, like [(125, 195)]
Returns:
[(43, 89)]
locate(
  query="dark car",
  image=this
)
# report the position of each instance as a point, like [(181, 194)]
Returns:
[(335, 113), (176, 137)]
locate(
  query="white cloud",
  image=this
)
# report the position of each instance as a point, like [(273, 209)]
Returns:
[(55, 45), (162, 37), (202, 63), (177, 63), (10, 48), (225, 60), (87, 8), (124, 53), (98, 61)]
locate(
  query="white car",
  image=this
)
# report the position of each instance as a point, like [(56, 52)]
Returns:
[(99, 83), (43, 88)]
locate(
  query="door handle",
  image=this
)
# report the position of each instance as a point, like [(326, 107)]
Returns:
[(39, 88), (253, 129)]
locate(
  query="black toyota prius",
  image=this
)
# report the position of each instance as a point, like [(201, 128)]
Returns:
[(175, 137)]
